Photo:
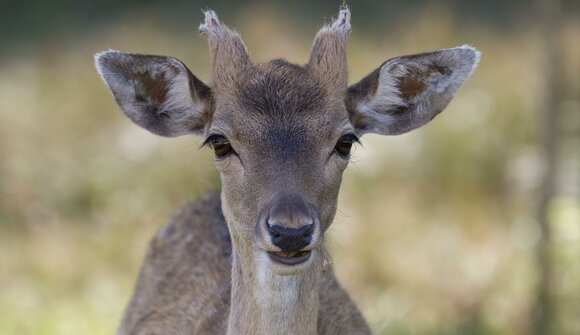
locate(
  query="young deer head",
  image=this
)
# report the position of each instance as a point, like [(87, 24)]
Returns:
[(282, 133)]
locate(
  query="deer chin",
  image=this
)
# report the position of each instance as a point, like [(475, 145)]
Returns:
[(285, 263)]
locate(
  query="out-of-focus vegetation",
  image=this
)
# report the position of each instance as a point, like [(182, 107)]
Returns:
[(437, 231)]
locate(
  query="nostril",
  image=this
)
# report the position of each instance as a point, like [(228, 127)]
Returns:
[(308, 231), (272, 229)]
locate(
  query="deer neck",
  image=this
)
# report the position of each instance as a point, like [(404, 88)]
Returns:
[(263, 302)]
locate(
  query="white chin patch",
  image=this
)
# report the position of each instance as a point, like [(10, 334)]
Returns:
[(278, 284)]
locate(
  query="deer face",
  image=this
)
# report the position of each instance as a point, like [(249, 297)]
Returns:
[(282, 133), (288, 141)]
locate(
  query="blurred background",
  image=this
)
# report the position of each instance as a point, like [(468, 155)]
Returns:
[(470, 225)]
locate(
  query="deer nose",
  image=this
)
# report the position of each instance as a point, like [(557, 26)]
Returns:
[(290, 223), (291, 239)]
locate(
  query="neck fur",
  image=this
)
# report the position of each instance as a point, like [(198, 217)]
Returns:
[(263, 302)]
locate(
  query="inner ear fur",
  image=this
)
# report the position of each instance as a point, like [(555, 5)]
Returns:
[(158, 93), (406, 92)]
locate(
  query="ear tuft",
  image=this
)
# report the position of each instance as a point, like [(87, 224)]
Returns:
[(342, 23), (211, 24)]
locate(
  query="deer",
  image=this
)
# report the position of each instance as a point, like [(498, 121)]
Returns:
[(251, 259)]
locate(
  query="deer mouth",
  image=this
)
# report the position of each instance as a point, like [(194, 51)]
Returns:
[(289, 258)]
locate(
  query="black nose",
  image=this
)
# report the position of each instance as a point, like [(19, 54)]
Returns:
[(291, 239)]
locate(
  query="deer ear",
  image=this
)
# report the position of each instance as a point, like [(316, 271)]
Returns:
[(158, 93), (406, 92)]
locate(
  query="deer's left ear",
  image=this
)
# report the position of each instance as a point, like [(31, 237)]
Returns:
[(406, 92)]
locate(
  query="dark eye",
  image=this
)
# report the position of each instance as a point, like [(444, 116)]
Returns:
[(221, 146), (344, 144)]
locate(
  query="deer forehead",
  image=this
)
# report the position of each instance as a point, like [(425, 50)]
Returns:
[(280, 103)]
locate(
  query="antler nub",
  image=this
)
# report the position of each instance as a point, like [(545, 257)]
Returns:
[(328, 55), (228, 51)]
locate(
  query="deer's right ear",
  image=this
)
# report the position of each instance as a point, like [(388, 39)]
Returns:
[(158, 93)]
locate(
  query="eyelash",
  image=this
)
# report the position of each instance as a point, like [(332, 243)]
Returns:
[(220, 145), (344, 145)]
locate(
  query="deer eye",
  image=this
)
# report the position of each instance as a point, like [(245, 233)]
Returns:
[(344, 144), (221, 146)]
